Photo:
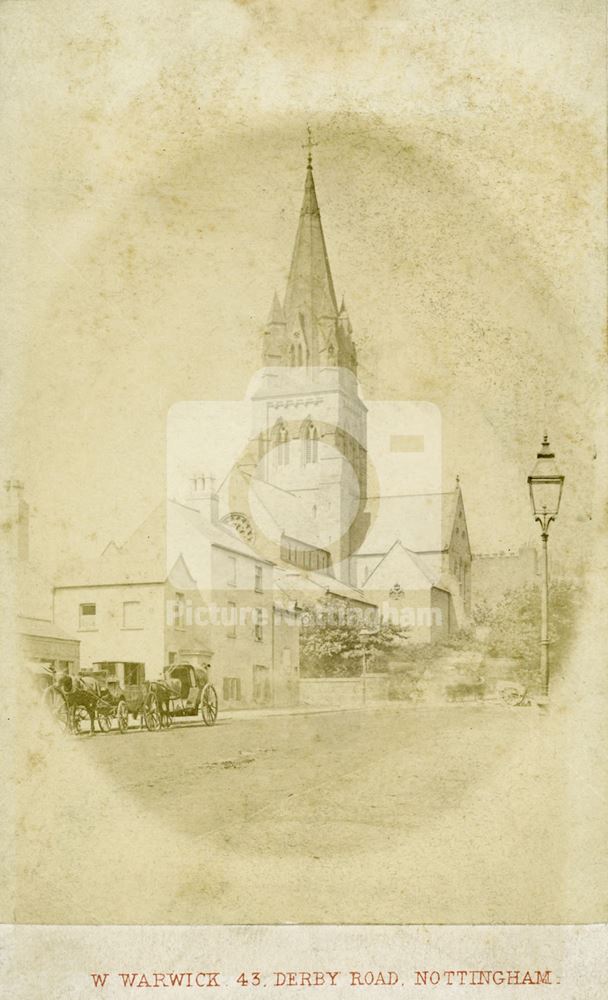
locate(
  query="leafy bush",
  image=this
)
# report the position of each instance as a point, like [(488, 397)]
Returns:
[(332, 643)]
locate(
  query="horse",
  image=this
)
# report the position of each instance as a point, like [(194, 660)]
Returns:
[(80, 692), (164, 691)]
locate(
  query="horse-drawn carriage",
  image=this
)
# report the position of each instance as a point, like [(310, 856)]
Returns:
[(72, 699), (185, 691)]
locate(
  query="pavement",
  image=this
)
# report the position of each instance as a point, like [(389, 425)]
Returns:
[(268, 712)]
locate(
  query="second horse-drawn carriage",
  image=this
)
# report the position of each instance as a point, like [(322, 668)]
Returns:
[(185, 691)]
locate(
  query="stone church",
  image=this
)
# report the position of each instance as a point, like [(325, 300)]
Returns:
[(301, 493)]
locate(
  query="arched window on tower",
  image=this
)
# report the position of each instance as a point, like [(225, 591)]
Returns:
[(298, 352), (281, 444), (310, 442), (284, 439)]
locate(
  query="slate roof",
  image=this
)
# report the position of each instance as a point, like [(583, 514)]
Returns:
[(42, 628), (421, 522)]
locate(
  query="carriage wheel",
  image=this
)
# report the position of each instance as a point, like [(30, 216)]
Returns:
[(209, 705), (152, 714), (105, 722), (122, 716), (57, 707), (512, 695)]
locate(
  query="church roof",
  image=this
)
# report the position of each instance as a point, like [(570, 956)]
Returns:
[(310, 291), (418, 573), (314, 585), (421, 522), (277, 512)]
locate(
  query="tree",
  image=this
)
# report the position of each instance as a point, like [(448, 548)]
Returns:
[(513, 625), (333, 640)]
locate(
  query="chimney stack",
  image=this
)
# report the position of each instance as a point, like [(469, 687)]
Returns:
[(203, 497)]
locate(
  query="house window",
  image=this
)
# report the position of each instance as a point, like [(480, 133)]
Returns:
[(258, 579), (171, 659), (87, 618), (232, 689), (131, 614), (231, 571), (231, 620), (258, 630)]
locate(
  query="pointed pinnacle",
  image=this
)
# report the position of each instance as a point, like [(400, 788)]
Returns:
[(276, 314), (310, 205)]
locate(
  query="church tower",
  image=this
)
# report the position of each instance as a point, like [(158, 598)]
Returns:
[(308, 416)]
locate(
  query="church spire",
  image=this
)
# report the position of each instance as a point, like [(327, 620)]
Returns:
[(310, 298)]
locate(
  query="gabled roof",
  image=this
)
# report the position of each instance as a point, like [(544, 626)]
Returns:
[(422, 522), (407, 568)]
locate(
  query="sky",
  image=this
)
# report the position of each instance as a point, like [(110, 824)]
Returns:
[(152, 191)]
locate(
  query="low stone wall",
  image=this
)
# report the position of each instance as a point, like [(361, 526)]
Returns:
[(343, 692)]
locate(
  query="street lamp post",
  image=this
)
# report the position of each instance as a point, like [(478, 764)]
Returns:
[(546, 484)]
